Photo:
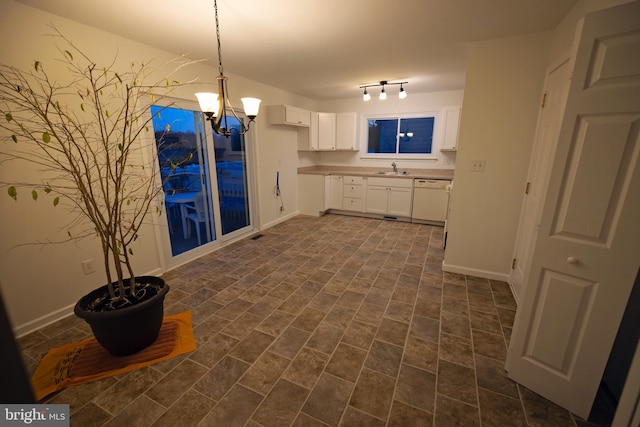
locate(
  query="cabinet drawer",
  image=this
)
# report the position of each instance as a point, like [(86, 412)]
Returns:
[(351, 204), (355, 191), (356, 180)]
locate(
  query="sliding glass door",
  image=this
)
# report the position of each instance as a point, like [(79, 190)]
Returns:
[(203, 205)]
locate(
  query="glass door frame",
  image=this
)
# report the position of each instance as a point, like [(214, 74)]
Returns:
[(160, 222)]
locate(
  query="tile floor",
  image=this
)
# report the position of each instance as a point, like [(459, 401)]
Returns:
[(331, 321)]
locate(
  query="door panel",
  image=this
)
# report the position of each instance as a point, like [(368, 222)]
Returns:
[(556, 89), (587, 252)]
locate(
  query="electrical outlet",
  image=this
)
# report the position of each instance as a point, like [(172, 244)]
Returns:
[(88, 267), (477, 166)]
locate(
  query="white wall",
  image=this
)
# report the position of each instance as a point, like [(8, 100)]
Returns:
[(41, 283), (500, 108), (432, 102)]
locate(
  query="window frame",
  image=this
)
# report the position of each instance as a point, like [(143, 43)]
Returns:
[(435, 140)]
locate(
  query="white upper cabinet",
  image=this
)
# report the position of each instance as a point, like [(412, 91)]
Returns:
[(326, 131), (288, 115), (450, 126), (346, 125)]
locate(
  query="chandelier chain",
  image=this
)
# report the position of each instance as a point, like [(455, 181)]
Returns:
[(215, 5)]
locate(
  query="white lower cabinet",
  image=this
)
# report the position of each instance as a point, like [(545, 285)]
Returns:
[(389, 196), (353, 193), (335, 192)]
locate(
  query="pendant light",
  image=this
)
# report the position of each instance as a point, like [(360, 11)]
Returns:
[(217, 107)]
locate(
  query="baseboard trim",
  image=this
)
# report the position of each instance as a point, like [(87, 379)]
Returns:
[(279, 220), (474, 272)]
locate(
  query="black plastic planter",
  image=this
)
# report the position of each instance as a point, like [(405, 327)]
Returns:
[(126, 330)]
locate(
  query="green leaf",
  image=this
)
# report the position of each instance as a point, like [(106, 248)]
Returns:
[(8, 116), (47, 190), (128, 202), (15, 138), (168, 127), (34, 194), (13, 193), (46, 137), (37, 65), (82, 107), (130, 251), (118, 77), (56, 201), (69, 54), (120, 146), (107, 113)]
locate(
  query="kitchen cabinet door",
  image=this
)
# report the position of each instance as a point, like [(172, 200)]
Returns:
[(450, 125), (326, 131), (335, 197), (377, 199), (399, 201), (346, 125)]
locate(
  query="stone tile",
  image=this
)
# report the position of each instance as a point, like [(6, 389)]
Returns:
[(455, 305), (499, 410), (290, 342), (127, 389), (354, 417), (487, 322), (369, 313), (392, 332), (209, 328), (243, 325), (455, 325), (378, 296), (143, 410), (384, 357), (304, 420), (404, 416), (264, 373), (308, 320), (406, 295), (328, 399), (234, 409), (428, 308), (89, 415), (504, 300), (480, 288), (492, 376), (430, 292), (351, 299), (340, 317), (204, 311), (265, 306), (346, 362), (456, 349), (189, 410), (482, 303), (219, 380), (323, 302), (506, 317), (294, 304), (306, 368), (499, 286), (457, 382), (373, 393), (541, 412), (176, 383), (454, 290), (421, 354), (233, 309), (325, 338), (250, 348), (416, 388), (425, 328), (490, 345), (210, 353), (359, 334), (281, 406), (450, 412), (277, 322)]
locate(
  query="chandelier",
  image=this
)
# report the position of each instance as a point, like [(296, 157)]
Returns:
[(217, 107), (383, 95)]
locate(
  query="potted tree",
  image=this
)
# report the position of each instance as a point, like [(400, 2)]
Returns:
[(86, 136)]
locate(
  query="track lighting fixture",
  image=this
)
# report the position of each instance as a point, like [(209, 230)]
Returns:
[(383, 94), (217, 107)]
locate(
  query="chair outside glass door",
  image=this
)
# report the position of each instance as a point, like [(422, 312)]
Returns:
[(184, 169)]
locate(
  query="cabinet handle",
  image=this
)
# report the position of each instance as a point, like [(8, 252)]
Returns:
[(573, 260)]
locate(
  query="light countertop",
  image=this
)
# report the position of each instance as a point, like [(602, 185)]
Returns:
[(374, 171)]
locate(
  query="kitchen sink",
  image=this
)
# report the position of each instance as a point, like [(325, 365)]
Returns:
[(405, 173)]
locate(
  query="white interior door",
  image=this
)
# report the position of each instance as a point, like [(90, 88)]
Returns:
[(587, 252), (556, 89)]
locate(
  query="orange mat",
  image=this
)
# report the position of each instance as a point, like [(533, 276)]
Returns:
[(87, 361)]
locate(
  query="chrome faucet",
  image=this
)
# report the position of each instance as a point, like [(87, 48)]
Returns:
[(395, 169)]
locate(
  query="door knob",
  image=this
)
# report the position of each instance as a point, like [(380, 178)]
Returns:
[(573, 260)]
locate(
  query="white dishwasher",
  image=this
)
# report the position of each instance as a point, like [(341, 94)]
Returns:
[(430, 201)]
